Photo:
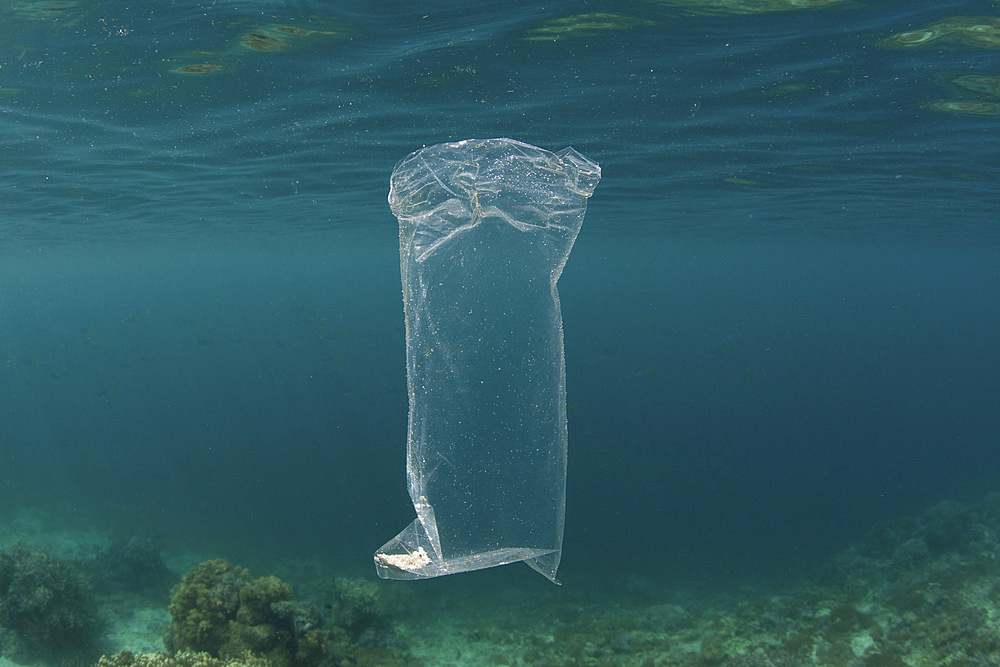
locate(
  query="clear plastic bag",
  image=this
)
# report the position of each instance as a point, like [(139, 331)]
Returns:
[(485, 228)]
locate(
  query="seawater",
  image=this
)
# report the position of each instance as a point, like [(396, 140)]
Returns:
[(780, 317)]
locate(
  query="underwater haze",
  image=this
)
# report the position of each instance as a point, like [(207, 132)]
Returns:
[(781, 315)]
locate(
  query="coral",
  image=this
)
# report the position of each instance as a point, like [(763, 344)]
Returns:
[(6, 570), (203, 604), (262, 639), (301, 618), (358, 606), (133, 566), (946, 526), (764, 659), (312, 647), (946, 630), (910, 554), (47, 607), (181, 659), (257, 598), (220, 610)]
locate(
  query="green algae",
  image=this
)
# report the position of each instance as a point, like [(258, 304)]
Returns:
[(583, 25), (745, 6), (970, 31)]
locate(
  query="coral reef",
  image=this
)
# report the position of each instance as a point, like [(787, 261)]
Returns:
[(203, 604), (47, 608), (919, 590), (132, 566), (358, 608), (180, 659), (218, 609)]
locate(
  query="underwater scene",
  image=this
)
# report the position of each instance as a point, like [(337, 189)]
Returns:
[(319, 318)]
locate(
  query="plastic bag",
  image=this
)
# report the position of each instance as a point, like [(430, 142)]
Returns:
[(485, 228)]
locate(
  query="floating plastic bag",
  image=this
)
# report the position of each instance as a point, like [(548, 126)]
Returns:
[(485, 228)]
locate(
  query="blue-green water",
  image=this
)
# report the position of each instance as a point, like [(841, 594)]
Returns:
[(781, 316)]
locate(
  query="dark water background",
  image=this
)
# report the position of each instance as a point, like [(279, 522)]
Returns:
[(781, 315)]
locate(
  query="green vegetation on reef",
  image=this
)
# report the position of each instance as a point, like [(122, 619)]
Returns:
[(970, 31), (744, 6), (583, 25), (47, 608), (358, 607), (220, 611)]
